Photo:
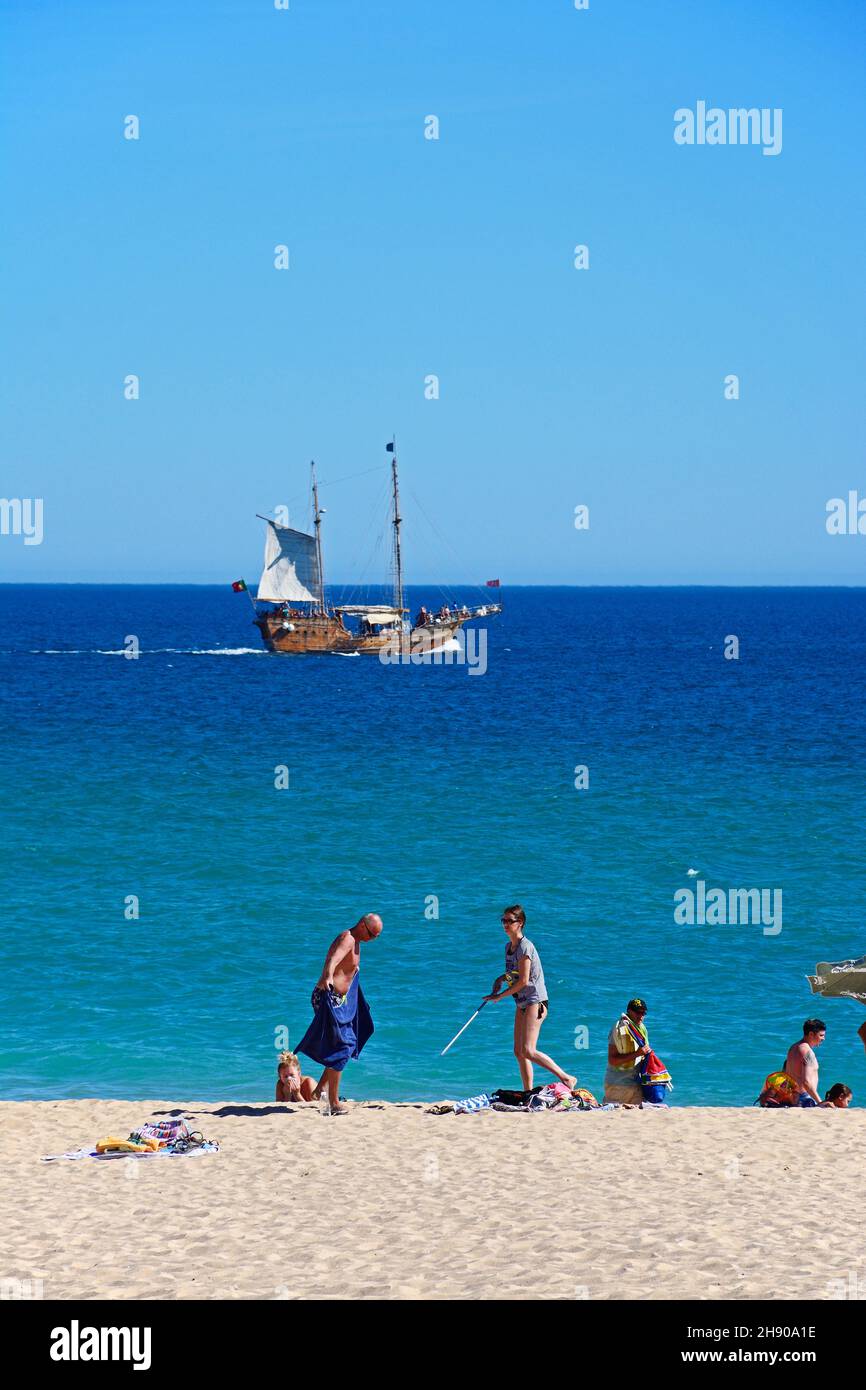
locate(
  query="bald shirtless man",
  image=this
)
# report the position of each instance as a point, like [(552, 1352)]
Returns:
[(341, 1023)]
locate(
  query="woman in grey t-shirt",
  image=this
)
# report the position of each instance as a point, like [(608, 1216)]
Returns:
[(524, 979)]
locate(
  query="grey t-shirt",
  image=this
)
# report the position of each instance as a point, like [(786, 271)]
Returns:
[(534, 992)]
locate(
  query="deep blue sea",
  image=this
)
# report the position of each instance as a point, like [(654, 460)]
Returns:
[(155, 778)]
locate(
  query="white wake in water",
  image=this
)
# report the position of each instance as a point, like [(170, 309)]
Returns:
[(153, 651)]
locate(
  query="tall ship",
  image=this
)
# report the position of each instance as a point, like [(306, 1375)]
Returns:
[(294, 616)]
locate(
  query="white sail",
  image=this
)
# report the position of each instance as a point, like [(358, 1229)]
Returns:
[(291, 570), (376, 613)]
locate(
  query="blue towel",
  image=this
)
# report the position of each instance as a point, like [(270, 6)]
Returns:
[(472, 1103), (339, 1029)]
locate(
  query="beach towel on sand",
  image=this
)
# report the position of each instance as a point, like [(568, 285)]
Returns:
[(341, 1026), (471, 1104), (209, 1146)]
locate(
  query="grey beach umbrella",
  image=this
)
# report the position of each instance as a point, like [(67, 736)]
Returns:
[(841, 979)]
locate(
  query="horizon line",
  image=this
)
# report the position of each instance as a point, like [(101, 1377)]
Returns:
[(448, 583)]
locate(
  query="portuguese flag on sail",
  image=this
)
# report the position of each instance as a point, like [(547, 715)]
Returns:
[(239, 586)]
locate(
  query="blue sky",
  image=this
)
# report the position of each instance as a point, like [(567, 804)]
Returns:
[(411, 257)]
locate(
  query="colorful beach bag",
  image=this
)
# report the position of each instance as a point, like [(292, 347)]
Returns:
[(167, 1133), (655, 1080), (780, 1089)]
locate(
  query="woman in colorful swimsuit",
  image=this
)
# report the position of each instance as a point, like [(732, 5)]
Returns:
[(524, 980)]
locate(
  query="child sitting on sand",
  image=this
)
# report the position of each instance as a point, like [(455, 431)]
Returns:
[(837, 1098), (291, 1085)]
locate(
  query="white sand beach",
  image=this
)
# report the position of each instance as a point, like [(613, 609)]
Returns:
[(390, 1202)]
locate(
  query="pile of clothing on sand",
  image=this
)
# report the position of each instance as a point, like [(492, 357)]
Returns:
[(153, 1139), (554, 1097)]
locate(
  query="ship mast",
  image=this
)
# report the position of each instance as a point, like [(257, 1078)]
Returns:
[(317, 516), (398, 561)]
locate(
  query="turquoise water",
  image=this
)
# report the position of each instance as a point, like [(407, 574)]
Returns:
[(155, 778)]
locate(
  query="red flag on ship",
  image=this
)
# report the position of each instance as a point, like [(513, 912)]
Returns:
[(238, 586), (493, 583)]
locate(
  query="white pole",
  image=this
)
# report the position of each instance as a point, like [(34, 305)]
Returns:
[(463, 1029)]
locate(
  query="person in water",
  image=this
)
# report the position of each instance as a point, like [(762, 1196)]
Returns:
[(838, 1097), (291, 1085), (801, 1064), (524, 980), (341, 1019), (627, 1046)]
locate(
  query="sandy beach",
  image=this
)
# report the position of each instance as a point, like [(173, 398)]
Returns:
[(391, 1202)]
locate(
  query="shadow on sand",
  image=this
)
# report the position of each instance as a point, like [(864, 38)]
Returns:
[(225, 1110)]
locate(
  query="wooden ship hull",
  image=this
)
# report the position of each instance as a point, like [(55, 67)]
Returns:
[(298, 632)]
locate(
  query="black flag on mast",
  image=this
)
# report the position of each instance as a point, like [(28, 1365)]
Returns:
[(389, 448)]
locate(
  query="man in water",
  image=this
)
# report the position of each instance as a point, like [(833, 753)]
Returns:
[(802, 1064), (627, 1045), (341, 1019)]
